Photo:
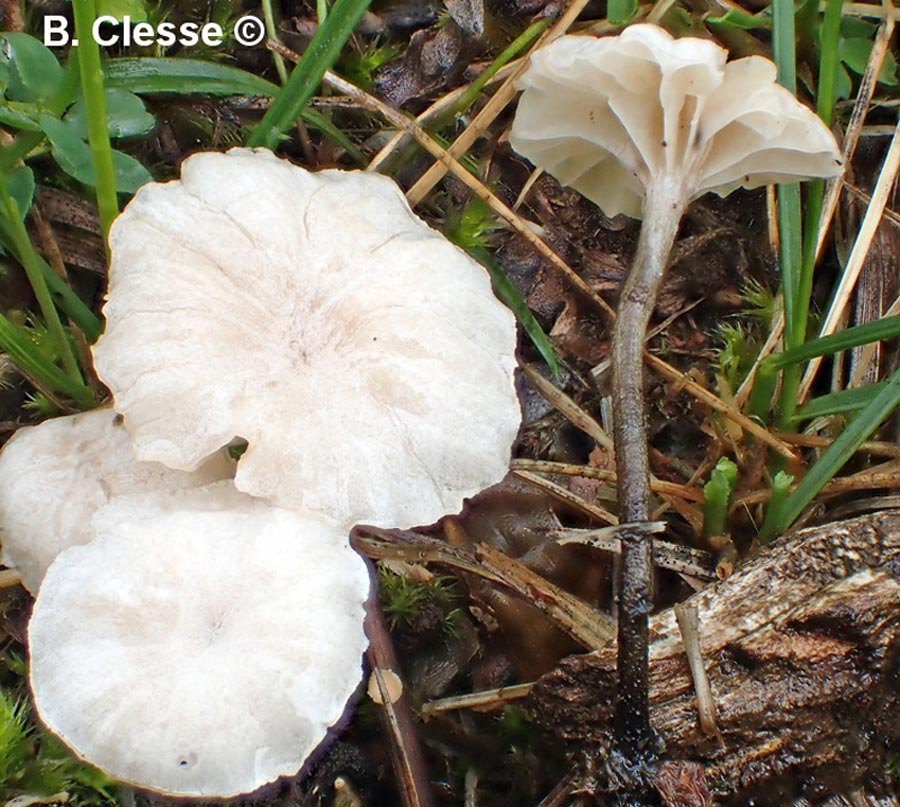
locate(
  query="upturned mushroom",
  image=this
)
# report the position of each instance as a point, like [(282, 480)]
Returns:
[(642, 124), (202, 644), (55, 476), (362, 356)]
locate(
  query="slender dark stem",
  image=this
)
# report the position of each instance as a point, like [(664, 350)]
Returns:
[(663, 209)]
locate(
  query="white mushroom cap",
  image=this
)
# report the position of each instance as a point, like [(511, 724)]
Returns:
[(54, 476), (201, 647), (362, 356), (609, 116)]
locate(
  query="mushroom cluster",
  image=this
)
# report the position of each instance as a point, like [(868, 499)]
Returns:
[(198, 627)]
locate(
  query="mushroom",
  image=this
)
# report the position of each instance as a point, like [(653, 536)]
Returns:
[(362, 356), (202, 644), (642, 124), (54, 476)]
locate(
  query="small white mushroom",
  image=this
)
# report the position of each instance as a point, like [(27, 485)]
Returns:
[(362, 356), (204, 642), (641, 124), (54, 476)]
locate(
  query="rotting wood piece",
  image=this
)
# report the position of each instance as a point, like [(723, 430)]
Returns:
[(802, 651)]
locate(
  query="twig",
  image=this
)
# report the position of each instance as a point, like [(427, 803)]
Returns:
[(9, 578), (480, 701), (681, 559), (406, 755), (876, 447), (587, 626), (692, 494), (563, 495), (703, 395), (492, 108), (689, 625), (440, 107), (874, 10), (858, 254), (567, 407), (560, 793)]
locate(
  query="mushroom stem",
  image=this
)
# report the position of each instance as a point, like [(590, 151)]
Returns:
[(664, 205)]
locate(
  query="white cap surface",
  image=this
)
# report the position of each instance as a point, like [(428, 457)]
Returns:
[(54, 476), (200, 645), (609, 116), (362, 356)]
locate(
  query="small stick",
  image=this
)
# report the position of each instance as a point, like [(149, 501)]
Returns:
[(480, 701), (661, 486), (406, 754), (681, 559), (703, 395), (9, 578), (560, 793), (591, 628), (858, 254), (880, 448), (564, 495), (570, 410), (573, 616), (494, 106), (689, 624), (471, 788)]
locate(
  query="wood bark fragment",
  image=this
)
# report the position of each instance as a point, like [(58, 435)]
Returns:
[(802, 651)]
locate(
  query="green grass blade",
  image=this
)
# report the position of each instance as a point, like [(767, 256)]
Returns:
[(29, 260), (69, 302), (839, 403), (815, 191), (306, 77), (15, 343), (877, 331), (184, 77), (88, 54), (789, 215), (841, 450), (791, 252), (510, 52), (783, 39), (829, 59), (272, 33), (513, 300), (195, 77)]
